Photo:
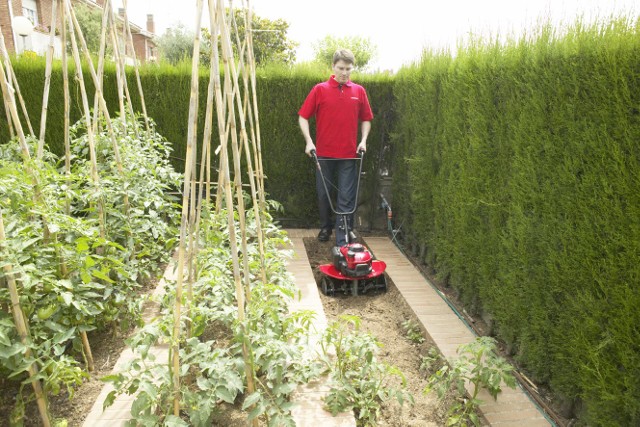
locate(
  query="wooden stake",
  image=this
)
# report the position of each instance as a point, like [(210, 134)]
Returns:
[(103, 45), (135, 66), (47, 80), (23, 327), (67, 106), (90, 136), (189, 160)]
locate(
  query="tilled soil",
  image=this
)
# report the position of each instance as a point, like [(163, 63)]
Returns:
[(383, 315)]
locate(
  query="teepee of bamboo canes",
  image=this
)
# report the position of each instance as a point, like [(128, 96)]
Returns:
[(231, 88), (19, 318), (22, 326), (100, 98), (242, 106)]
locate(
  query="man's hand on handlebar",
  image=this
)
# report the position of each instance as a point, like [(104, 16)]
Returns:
[(309, 148), (362, 148)]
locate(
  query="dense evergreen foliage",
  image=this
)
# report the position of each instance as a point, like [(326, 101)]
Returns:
[(522, 162)]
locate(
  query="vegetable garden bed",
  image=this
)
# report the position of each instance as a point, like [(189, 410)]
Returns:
[(388, 318)]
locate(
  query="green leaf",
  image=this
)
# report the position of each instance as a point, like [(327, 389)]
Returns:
[(227, 395), (100, 275), (173, 421), (62, 337), (108, 401), (67, 297), (251, 399), (16, 348)]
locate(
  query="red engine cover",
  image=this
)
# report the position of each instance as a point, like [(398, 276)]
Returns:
[(355, 254)]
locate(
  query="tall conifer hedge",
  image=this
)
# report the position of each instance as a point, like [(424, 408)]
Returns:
[(523, 163)]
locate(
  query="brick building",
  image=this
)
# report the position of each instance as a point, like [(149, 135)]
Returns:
[(39, 13)]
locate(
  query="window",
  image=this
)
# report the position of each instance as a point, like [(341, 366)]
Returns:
[(30, 10)]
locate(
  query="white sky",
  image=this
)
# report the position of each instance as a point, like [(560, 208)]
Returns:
[(399, 28)]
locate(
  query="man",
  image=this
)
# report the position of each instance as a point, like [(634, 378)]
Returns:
[(338, 105)]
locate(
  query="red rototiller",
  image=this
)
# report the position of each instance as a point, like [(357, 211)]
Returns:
[(354, 268)]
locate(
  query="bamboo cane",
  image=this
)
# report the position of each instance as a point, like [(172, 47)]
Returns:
[(101, 53), (256, 139), (192, 239), (121, 66), (47, 80), (8, 94), (12, 133), (23, 106), (119, 70), (22, 326), (249, 369), (135, 66), (67, 106), (87, 116), (189, 160)]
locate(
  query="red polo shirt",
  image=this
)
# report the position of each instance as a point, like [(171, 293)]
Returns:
[(338, 111)]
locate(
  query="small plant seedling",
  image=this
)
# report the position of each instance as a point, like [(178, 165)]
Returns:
[(359, 381), (412, 332), (432, 361), (479, 366)]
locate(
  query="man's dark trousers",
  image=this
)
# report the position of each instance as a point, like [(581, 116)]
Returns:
[(344, 173)]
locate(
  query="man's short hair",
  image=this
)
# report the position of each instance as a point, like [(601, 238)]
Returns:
[(344, 54)]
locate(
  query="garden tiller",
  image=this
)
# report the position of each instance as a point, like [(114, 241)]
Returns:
[(354, 267)]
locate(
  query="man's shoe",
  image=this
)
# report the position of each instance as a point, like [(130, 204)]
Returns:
[(324, 235)]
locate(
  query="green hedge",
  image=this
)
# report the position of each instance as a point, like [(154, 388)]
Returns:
[(167, 90), (523, 163)]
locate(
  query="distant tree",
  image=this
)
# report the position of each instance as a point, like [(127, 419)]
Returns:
[(362, 49), (90, 20), (270, 42), (175, 44)]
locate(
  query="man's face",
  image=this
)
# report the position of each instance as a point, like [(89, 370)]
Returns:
[(342, 70)]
